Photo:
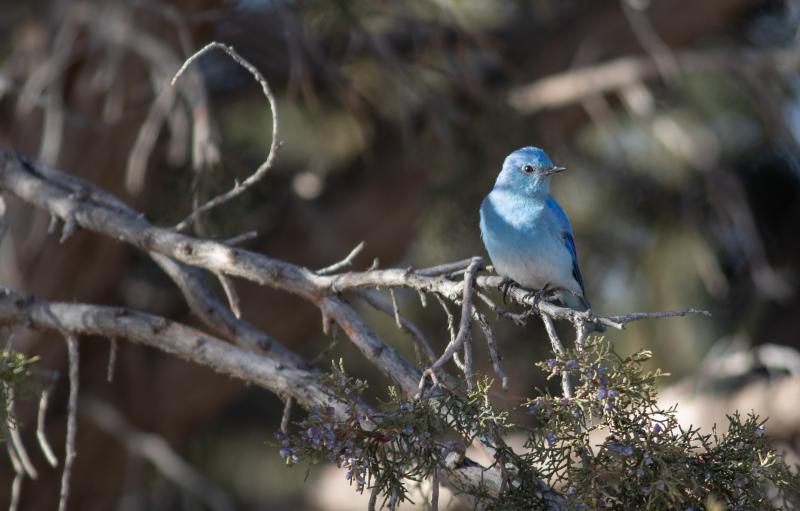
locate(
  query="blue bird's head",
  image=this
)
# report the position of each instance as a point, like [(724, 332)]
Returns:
[(527, 171)]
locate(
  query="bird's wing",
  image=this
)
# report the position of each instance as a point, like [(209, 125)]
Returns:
[(569, 240)]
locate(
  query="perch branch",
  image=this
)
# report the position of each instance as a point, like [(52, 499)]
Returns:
[(90, 208), (183, 257)]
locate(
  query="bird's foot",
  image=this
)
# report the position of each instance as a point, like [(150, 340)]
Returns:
[(543, 294), (505, 286)]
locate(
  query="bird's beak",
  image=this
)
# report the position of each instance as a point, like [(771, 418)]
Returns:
[(554, 170)]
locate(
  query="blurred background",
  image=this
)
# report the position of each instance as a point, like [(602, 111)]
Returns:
[(679, 122)]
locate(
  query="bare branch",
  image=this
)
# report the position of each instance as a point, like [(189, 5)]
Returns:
[(373, 498), (344, 263), (451, 329), (14, 438), (94, 210), (241, 238), (435, 490), (230, 294), (624, 319), (445, 269), (558, 349), (282, 372), (464, 324), (160, 333), (68, 229), (146, 140), (560, 89), (262, 170), (70, 451), (112, 360), (40, 431), (198, 347), (395, 309), (27, 181), (287, 413), (214, 314), (19, 475), (491, 343), (469, 373)]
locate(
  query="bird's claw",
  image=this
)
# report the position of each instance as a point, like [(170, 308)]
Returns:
[(505, 286), (540, 295)]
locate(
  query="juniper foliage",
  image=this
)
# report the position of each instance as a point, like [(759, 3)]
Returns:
[(610, 446), (15, 375)]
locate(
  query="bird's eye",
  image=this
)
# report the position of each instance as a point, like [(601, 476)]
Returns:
[(528, 169)]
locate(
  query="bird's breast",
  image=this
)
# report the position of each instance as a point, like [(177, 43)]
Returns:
[(524, 244)]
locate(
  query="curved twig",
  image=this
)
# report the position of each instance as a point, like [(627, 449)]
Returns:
[(262, 169)]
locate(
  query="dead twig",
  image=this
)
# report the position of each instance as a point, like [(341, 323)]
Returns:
[(230, 294), (262, 169), (435, 490), (14, 437), (40, 431), (445, 269), (464, 324), (241, 238), (494, 353), (344, 263), (19, 475), (287, 413), (112, 360), (558, 349), (451, 329), (70, 452)]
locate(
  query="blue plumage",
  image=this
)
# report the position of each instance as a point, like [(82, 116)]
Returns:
[(527, 234)]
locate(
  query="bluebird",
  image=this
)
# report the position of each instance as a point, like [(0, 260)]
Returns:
[(527, 234)]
